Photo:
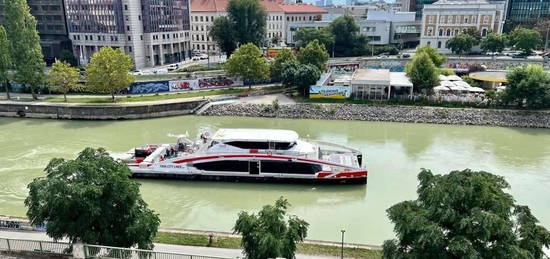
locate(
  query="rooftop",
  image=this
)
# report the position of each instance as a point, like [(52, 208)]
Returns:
[(251, 135), (269, 5), (371, 75), (461, 2)]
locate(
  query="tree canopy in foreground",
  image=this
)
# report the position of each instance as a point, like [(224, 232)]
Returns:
[(91, 199), (464, 214), (270, 233), (248, 63)]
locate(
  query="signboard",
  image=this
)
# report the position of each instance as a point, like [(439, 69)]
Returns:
[(183, 85), (331, 92)]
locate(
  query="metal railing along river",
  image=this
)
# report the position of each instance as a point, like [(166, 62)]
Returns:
[(95, 251), (35, 246), (90, 251)]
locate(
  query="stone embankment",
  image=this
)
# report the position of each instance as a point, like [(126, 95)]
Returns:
[(387, 113)]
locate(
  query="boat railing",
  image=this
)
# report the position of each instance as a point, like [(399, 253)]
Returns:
[(328, 144)]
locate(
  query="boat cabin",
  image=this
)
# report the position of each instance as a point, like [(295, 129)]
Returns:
[(253, 139)]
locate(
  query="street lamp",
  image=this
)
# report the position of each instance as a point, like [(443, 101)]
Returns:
[(342, 254)]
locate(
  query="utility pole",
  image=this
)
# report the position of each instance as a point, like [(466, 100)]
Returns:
[(546, 42), (342, 250)]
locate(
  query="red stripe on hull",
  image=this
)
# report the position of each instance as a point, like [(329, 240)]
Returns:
[(254, 156)]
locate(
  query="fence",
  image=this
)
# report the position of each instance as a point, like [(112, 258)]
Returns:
[(95, 251), (42, 247)]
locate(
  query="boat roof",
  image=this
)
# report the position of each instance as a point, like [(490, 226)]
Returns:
[(250, 135)]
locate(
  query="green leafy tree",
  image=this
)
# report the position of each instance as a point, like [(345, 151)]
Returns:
[(494, 42), (437, 59), (422, 72), (63, 77), (306, 76), (525, 40), (109, 71), (528, 84), (249, 21), (306, 35), (247, 63), (25, 47), (314, 54), (91, 199), (223, 34), (288, 74), (68, 56), (284, 56), (461, 43), (446, 72), (5, 61), (464, 214), (347, 39), (270, 233), (472, 31)]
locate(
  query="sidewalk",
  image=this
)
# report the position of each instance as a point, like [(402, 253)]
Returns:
[(221, 252)]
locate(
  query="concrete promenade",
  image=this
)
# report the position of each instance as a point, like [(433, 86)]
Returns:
[(195, 250)]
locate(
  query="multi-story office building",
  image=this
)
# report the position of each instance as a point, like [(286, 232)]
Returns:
[(415, 6), (527, 11), (152, 32), (279, 16), (51, 25), (447, 18)]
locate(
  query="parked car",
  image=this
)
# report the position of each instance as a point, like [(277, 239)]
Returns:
[(136, 72), (161, 71), (196, 58), (203, 56), (173, 67), (405, 55)]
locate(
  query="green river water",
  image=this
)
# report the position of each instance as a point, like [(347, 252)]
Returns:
[(393, 152)]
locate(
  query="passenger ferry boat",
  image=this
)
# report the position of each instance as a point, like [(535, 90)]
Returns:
[(259, 155)]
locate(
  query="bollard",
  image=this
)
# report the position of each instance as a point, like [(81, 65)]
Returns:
[(210, 239)]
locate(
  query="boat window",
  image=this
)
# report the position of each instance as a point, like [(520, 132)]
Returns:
[(226, 166), (288, 167), (262, 145), (249, 145)]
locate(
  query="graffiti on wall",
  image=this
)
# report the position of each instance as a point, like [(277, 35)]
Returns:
[(148, 87), (10, 224), (331, 92), (183, 85)]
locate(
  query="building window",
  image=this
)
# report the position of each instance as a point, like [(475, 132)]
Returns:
[(428, 43), (129, 38), (130, 49), (439, 44), (484, 32), (456, 32), (201, 18), (126, 7), (448, 32), (440, 32), (127, 28)]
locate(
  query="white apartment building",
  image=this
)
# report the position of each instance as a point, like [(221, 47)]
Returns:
[(279, 16), (152, 32), (446, 18)]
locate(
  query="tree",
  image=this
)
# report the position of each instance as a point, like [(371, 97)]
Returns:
[(5, 61), (543, 28), (288, 74), (494, 43), (461, 43), (284, 56), (314, 54), (247, 62), (472, 31), (306, 35), (63, 77), (270, 233), (529, 84), (223, 34), (249, 21), (25, 47), (464, 214), (91, 199), (525, 40), (68, 56), (109, 71), (437, 59), (306, 76), (422, 72), (347, 40)]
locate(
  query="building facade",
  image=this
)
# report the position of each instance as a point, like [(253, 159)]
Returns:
[(152, 32), (280, 16), (51, 26), (527, 11), (447, 18)]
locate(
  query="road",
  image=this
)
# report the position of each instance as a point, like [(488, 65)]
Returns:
[(196, 250)]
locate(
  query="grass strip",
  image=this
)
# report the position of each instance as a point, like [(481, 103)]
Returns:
[(160, 96), (235, 243)]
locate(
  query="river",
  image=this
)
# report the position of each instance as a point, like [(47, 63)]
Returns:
[(394, 154)]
